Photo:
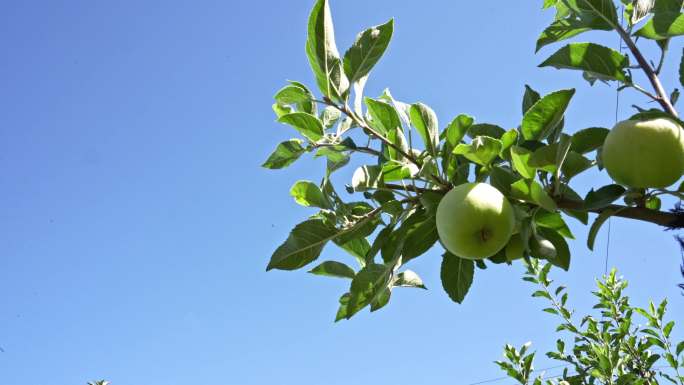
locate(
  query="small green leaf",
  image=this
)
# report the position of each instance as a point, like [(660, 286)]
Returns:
[(520, 158), (533, 192), (308, 194), (603, 196), (563, 29), (502, 178), (554, 221), (486, 129), (285, 154), (457, 129), (562, 257), (545, 115), (393, 171), (367, 285), (308, 125), (482, 150), (408, 278), (681, 69), (303, 245), (457, 276), (508, 139), (322, 53), (333, 269), (420, 237), (366, 177), (601, 62), (653, 203), (385, 117), (680, 348), (664, 24), (357, 247), (575, 164), (588, 139), (424, 119), (330, 116), (529, 98), (368, 48), (596, 226)]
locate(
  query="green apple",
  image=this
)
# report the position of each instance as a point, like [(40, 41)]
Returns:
[(643, 154), (474, 221)]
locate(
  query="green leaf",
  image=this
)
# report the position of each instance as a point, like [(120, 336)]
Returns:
[(601, 62), (296, 93), (285, 154), (385, 117), (322, 53), (596, 226), (604, 9), (308, 194), (330, 116), (368, 284), (366, 177), (529, 98), (508, 139), (603, 196), (544, 158), (562, 29), (482, 150), (680, 348), (368, 48), (357, 247), (333, 269), (667, 21), (457, 276), (408, 278), (562, 257), (520, 158), (681, 69), (425, 121), (542, 118), (485, 129), (533, 192), (303, 245), (457, 129), (420, 237), (554, 221), (502, 178), (575, 164), (281, 109), (308, 125), (588, 139), (393, 171)]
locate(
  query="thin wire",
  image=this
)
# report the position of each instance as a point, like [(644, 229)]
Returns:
[(507, 377), (617, 114)]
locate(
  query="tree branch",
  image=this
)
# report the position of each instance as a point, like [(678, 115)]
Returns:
[(662, 218), (663, 98)]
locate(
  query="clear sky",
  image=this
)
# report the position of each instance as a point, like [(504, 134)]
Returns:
[(136, 223)]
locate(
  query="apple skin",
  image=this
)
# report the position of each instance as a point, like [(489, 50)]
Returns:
[(643, 154), (474, 221)]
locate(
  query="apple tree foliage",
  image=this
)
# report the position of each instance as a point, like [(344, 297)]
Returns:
[(622, 344), (385, 215)]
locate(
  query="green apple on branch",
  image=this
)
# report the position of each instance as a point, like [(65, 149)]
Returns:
[(486, 193)]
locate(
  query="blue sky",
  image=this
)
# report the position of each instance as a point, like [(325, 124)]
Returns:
[(136, 222)]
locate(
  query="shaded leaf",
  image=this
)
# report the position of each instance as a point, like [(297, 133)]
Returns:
[(308, 194), (367, 50), (542, 117), (599, 61), (303, 245), (425, 121), (457, 276), (603, 196), (333, 269), (533, 192), (308, 125), (285, 154)]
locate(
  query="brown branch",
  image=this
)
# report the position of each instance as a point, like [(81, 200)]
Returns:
[(661, 218), (345, 110), (662, 96)]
